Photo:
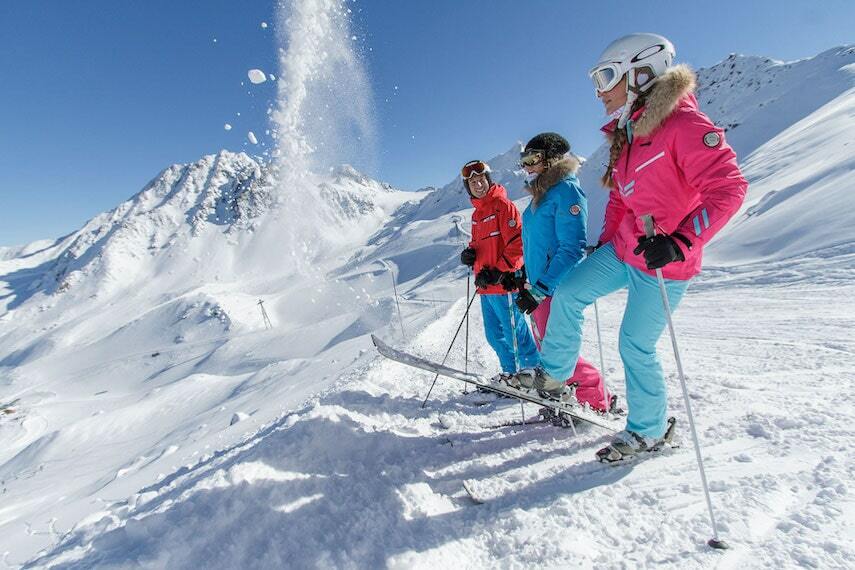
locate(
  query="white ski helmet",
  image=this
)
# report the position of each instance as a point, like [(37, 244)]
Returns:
[(641, 57)]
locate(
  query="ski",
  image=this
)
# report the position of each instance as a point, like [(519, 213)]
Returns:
[(566, 412), (519, 423), (612, 456), (476, 498)]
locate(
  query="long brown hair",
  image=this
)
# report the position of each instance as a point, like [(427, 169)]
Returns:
[(619, 139)]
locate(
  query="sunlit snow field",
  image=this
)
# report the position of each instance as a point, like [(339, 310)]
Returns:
[(151, 417)]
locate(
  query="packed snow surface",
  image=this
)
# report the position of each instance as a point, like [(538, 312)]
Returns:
[(362, 476)]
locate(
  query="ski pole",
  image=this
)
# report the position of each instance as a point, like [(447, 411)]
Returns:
[(588, 251), (447, 352), (514, 330), (714, 542), (388, 267), (516, 348), (466, 346), (602, 360)]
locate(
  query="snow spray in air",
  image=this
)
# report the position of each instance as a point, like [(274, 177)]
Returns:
[(323, 116)]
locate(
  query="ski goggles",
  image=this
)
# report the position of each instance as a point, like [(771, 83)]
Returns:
[(531, 157), (474, 168), (606, 76)]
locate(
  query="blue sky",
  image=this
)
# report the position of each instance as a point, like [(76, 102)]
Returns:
[(99, 96)]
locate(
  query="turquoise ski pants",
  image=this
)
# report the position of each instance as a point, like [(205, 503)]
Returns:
[(643, 323), (497, 327)]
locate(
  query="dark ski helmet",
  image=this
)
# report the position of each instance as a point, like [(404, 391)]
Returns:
[(552, 145)]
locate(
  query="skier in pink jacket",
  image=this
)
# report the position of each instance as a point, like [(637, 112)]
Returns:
[(668, 160)]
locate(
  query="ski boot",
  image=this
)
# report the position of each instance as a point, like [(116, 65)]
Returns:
[(613, 410), (556, 418), (504, 379), (547, 414), (628, 444), (524, 379), (546, 386)]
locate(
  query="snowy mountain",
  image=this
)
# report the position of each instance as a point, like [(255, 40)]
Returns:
[(453, 197), (802, 154), (151, 417), (142, 333)]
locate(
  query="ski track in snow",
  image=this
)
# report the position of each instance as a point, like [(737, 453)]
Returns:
[(363, 477)]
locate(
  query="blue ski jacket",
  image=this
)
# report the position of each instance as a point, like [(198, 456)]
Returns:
[(554, 225)]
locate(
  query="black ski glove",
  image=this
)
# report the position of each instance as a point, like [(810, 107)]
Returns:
[(529, 297), (467, 257), (487, 276), (513, 280), (661, 249), (526, 302)]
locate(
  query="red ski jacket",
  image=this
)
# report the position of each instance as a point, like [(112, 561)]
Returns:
[(496, 235)]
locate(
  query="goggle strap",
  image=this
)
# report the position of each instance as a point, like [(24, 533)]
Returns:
[(476, 167)]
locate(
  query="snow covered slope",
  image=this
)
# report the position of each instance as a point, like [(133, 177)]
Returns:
[(364, 477), (132, 346)]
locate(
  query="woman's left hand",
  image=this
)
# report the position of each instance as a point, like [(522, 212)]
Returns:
[(659, 250)]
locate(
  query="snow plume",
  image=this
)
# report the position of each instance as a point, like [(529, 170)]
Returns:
[(323, 116)]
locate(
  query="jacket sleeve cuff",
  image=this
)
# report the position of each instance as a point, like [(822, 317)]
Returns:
[(542, 288), (683, 243)]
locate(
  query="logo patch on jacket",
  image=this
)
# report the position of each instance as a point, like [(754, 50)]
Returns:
[(575, 209), (512, 223), (712, 139)]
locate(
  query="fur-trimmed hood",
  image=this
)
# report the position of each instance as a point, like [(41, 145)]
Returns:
[(670, 88), (555, 173)]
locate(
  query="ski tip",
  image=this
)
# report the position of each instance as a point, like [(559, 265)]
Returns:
[(467, 486), (377, 342)]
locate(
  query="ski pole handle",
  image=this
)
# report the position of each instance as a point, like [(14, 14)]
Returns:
[(649, 227)]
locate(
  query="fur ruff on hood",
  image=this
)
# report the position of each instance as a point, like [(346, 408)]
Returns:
[(671, 87), (555, 172), (660, 102)]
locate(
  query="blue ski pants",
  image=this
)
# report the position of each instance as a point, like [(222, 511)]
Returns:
[(497, 328), (643, 323)]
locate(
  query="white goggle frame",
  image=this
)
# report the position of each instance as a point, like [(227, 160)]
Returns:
[(605, 76)]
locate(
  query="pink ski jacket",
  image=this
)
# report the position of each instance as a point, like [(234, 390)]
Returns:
[(676, 167)]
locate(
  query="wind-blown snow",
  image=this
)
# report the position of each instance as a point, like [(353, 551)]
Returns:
[(256, 76), (324, 113)]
